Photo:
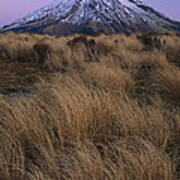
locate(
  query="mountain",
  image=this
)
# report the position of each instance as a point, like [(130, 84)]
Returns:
[(64, 17)]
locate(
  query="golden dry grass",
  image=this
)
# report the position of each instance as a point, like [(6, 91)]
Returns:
[(84, 107)]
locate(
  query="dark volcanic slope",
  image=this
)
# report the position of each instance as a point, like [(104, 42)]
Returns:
[(63, 17)]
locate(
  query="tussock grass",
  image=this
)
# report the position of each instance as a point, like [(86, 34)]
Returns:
[(168, 83), (112, 80), (118, 162), (89, 107)]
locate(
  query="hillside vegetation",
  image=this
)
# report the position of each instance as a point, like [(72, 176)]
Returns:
[(90, 107)]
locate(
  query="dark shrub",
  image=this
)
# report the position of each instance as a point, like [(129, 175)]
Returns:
[(42, 51)]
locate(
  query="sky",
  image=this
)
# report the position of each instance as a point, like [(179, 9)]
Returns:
[(170, 8), (10, 10)]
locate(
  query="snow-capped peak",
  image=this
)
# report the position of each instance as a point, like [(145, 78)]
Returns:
[(114, 15)]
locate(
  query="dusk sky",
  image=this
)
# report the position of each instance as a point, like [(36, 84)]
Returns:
[(10, 10)]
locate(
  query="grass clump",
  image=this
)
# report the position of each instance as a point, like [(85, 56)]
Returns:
[(89, 107)]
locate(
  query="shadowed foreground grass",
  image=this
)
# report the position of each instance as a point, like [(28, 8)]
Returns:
[(83, 108)]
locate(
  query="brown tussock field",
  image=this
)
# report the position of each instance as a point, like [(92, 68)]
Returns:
[(90, 107)]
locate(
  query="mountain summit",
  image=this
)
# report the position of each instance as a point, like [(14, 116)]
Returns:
[(63, 17)]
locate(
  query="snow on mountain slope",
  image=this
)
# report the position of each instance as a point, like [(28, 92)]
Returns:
[(81, 16)]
